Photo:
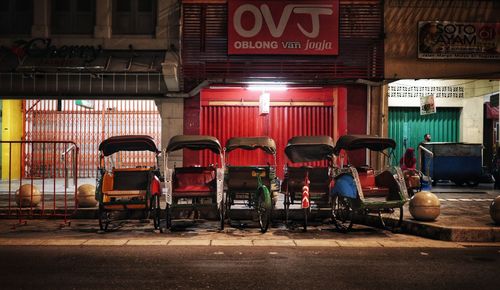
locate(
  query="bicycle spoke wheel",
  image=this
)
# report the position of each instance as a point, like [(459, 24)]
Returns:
[(264, 209), (342, 213), (391, 218)]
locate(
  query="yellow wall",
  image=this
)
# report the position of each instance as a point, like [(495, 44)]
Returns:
[(12, 130)]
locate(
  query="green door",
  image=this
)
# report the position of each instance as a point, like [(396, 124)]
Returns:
[(407, 124)]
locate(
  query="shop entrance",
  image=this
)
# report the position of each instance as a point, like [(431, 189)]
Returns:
[(235, 113)]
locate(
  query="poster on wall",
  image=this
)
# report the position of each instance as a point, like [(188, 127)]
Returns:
[(458, 40), (427, 105), (300, 27)]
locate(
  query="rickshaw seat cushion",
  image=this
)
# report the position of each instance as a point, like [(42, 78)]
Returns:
[(367, 178), (345, 186), (369, 185), (126, 193), (196, 180), (374, 191)]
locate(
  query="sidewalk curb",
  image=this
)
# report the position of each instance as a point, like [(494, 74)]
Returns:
[(409, 226)]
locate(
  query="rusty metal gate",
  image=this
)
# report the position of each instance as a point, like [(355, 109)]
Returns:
[(48, 120), (30, 188)]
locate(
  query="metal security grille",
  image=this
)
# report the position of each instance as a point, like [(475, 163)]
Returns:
[(282, 123), (204, 43), (408, 127), (49, 120)]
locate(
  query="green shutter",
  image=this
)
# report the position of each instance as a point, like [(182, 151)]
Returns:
[(444, 126)]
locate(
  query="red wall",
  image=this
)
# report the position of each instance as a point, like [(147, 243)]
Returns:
[(356, 119), (230, 112)]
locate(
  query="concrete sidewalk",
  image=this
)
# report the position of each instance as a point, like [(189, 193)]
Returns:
[(464, 218)]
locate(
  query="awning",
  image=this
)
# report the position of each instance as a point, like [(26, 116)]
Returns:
[(88, 71), (490, 111)]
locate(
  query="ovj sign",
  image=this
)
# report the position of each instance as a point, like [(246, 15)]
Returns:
[(307, 27)]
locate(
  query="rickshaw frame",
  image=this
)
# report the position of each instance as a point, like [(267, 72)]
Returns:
[(124, 198), (194, 142), (345, 205), (312, 182), (258, 196)]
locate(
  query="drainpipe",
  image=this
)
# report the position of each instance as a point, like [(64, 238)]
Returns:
[(368, 118), (194, 91)]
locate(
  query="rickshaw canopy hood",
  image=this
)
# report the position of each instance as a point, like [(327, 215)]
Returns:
[(194, 142), (251, 143), (309, 148), (128, 143), (352, 142)]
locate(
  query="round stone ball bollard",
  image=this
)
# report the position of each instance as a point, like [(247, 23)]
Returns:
[(86, 195), (24, 198), (425, 206), (495, 210)]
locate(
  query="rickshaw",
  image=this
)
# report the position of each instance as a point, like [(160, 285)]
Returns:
[(128, 188), (252, 186), (362, 190), (195, 187), (308, 186)]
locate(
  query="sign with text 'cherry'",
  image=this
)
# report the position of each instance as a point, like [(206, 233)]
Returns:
[(302, 27)]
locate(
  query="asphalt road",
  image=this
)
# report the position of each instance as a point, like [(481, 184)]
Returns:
[(130, 267)]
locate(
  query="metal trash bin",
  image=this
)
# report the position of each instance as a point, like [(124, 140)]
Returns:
[(459, 162)]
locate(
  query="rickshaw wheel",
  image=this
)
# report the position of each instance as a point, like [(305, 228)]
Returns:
[(221, 214), (306, 217), (342, 213), (169, 216), (264, 209), (391, 218), (286, 205), (156, 211), (104, 217)]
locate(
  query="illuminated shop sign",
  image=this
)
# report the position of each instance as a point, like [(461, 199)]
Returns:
[(458, 40), (307, 27)]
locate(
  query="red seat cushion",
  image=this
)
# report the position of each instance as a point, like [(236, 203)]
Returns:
[(369, 185), (374, 191), (367, 178), (194, 181)]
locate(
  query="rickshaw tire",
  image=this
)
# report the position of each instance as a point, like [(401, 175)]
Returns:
[(343, 227), (103, 219), (228, 208), (157, 212), (286, 205), (264, 221), (392, 226), (221, 214), (168, 219), (306, 215)]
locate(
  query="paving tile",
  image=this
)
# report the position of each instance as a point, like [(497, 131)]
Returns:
[(148, 242), (21, 242), (106, 242), (189, 242), (359, 243), (316, 243), (419, 244), (64, 242), (274, 243), (232, 242)]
